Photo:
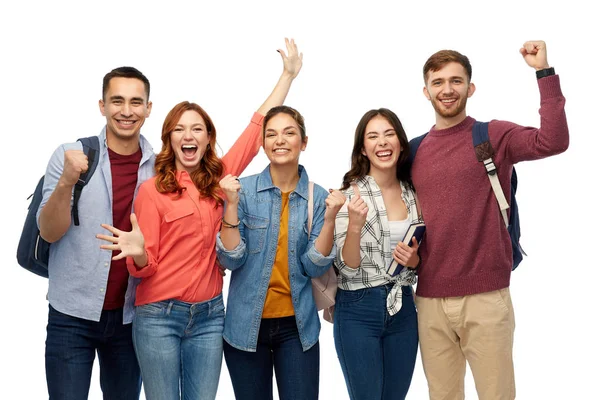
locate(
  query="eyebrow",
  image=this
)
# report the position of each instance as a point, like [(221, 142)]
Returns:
[(450, 78), (377, 133), (284, 129), (193, 125), (123, 98)]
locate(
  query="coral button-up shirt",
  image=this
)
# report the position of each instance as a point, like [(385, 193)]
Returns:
[(180, 232)]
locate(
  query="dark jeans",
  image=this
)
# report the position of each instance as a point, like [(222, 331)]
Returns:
[(71, 345), (377, 351), (296, 371)]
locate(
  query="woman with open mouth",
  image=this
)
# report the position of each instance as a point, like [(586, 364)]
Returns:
[(178, 325)]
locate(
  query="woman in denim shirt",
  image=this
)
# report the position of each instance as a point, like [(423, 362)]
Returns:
[(271, 320), (375, 321)]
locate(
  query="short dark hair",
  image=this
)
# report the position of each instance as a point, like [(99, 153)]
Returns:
[(125, 72), (439, 60), (292, 112)]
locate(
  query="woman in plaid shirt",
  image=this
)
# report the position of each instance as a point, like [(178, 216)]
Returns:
[(375, 321)]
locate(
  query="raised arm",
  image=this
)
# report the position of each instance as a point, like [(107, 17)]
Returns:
[(248, 144), (54, 219), (292, 63), (552, 137)]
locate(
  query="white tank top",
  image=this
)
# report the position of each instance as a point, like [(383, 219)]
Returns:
[(397, 231)]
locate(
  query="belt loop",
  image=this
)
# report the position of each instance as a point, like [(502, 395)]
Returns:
[(169, 307)]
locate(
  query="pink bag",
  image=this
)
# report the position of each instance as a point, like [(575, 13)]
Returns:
[(325, 286)]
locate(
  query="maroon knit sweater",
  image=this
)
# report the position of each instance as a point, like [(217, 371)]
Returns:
[(467, 248)]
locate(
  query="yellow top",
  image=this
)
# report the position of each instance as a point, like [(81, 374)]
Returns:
[(278, 302)]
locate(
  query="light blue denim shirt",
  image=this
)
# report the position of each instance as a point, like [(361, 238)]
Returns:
[(78, 268), (252, 260)]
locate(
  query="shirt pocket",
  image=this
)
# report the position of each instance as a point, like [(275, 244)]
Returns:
[(180, 222), (255, 232)]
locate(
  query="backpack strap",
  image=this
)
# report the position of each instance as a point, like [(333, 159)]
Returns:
[(485, 152), (91, 148), (311, 185), (414, 146)]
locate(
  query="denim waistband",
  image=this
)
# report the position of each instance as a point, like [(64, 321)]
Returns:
[(174, 304)]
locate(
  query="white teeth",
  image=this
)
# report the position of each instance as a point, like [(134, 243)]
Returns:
[(280, 150), (126, 122), (189, 146), (383, 153)]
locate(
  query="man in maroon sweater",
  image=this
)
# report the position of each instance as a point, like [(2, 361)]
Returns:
[(464, 305)]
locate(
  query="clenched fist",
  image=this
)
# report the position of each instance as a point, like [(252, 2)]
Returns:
[(76, 163), (534, 54), (231, 186), (333, 204)]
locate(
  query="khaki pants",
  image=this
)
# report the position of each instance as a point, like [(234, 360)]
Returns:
[(479, 329)]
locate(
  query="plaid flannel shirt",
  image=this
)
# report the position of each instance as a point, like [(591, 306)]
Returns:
[(375, 251)]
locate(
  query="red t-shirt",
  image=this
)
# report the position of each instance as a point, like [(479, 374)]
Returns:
[(124, 171)]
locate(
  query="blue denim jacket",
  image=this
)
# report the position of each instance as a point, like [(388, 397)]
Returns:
[(78, 268), (252, 260)]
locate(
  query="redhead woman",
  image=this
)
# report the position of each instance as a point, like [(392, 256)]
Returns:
[(272, 322), (178, 324), (375, 321)]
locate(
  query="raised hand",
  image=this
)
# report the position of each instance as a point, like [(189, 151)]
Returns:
[(131, 244), (292, 62), (333, 203), (76, 163), (231, 186), (357, 210), (534, 54), (407, 255)]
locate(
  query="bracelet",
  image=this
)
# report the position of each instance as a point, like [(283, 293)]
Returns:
[(542, 73), (228, 225)]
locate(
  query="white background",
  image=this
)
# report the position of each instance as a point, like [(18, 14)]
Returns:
[(356, 57)]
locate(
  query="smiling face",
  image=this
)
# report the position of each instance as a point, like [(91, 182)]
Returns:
[(189, 140), (448, 90), (283, 140), (381, 145), (126, 107)]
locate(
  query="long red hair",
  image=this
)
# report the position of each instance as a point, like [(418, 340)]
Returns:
[(208, 174)]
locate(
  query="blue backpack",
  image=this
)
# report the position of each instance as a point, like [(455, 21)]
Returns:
[(33, 251), (484, 153)]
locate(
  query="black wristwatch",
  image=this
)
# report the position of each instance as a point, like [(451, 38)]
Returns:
[(542, 73)]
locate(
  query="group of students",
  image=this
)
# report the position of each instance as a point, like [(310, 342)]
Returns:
[(152, 306)]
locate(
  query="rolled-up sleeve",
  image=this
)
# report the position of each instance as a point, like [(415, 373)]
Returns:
[(231, 259), (235, 258)]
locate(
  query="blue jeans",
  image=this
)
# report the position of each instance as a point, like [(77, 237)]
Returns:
[(71, 346), (377, 351), (180, 347), (296, 371)]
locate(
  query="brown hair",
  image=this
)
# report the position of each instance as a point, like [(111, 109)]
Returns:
[(207, 175), (360, 164), (292, 112), (443, 57)]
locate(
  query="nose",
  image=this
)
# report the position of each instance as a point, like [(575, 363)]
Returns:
[(126, 110), (447, 88), (187, 134), (381, 140), (279, 139)]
